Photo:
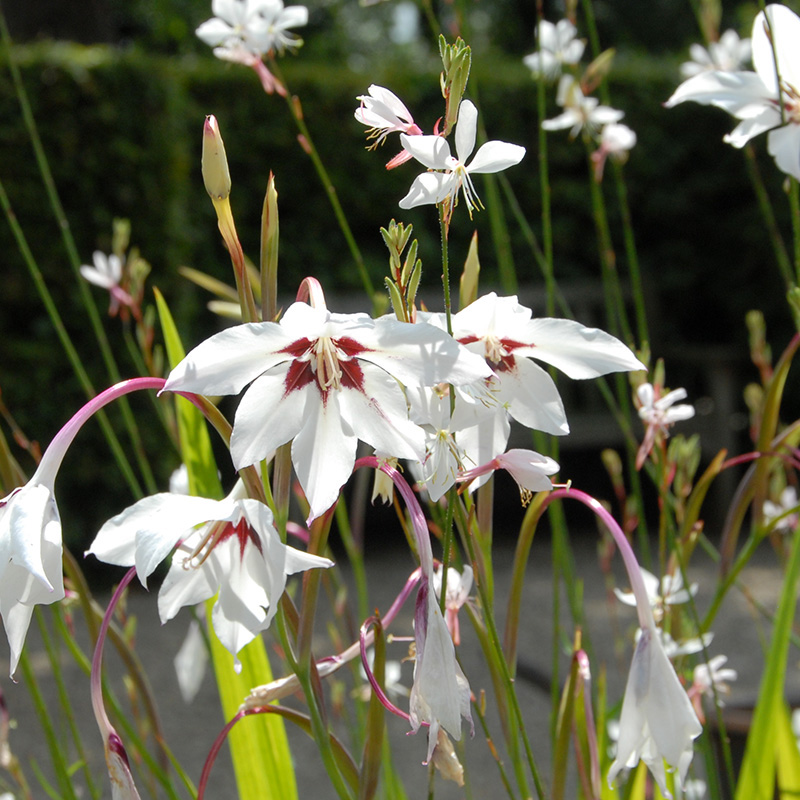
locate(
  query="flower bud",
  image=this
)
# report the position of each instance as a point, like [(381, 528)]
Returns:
[(216, 177)]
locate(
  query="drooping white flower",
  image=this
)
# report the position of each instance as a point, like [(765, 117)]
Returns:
[(580, 112), (30, 556), (729, 54), (531, 471), (658, 722), (324, 381), (225, 546), (557, 46), (504, 333), (757, 98), (661, 593), (785, 509), (452, 174), (440, 694), (254, 27)]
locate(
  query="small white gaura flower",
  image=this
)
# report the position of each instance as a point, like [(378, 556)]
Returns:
[(453, 174), (666, 592), (714, 676), (252, 26), (785, 509), (659, 414), (107, 274), (658, 722), (729, 54), (580, 112), (557, 47), (616, 141), (758, 99), (383, 112)]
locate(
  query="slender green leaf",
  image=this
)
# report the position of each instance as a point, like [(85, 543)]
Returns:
[(757, 776)]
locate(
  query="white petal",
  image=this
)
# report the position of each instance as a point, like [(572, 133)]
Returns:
[(532, 398), (742, 94), (432, 151), (784, 146), (379, 416), (496, 156), (466, 130), (268, 416), (190, 662), (214, 32), (184, 587), (429, 188), (578, 351), (783, 27), (323, 453), (145, 533), (420, 354), (753, 126), (228, 361)]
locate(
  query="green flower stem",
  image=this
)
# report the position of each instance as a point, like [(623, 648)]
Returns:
[(66, 342), (75, 263), (307, 143)]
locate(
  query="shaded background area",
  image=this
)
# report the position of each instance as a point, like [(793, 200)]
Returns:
[(120, 90)]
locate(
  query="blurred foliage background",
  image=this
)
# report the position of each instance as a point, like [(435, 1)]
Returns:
[(120, 90)]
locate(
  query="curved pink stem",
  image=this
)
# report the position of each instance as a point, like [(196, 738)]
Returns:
[(626, 551), (373, 682)]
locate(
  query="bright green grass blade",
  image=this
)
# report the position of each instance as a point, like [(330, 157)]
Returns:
[(757, 776), (259, 747), (195, 442), (788, 756)]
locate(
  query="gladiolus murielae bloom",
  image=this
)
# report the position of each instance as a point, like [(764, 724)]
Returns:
[(236, 551), (324, 381)]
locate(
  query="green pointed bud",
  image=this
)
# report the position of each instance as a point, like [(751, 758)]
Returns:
[(270, 230), (397, 300), (456, 60), (468, 288), (216, 176)]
